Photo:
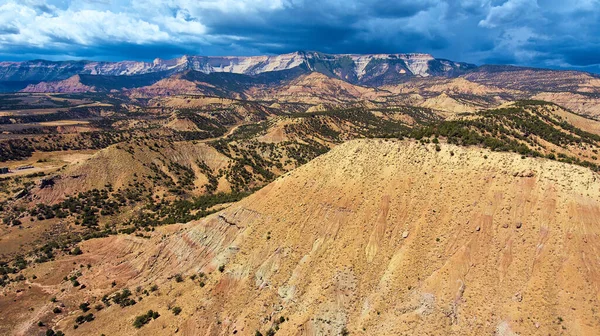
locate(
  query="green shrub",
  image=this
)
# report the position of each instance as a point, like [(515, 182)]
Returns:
[(123, 298), (84, 307), (142, 320), (84, 318)]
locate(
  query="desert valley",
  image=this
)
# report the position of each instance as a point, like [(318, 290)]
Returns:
[(298, 194)]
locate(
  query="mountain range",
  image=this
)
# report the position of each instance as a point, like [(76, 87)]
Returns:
[(370, 70), (316, 80)]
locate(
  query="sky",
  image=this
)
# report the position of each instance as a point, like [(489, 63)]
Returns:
[(541, 33)]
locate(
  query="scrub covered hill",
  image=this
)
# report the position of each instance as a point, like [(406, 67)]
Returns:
[(374, 237)]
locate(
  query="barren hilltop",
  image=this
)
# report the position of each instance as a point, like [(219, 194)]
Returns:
[(376, 237)]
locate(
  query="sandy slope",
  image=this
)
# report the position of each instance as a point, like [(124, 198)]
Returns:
[(120, 165), (379, 237), (578, 103)]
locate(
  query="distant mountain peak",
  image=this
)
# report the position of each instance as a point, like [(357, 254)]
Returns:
[(364, 69)]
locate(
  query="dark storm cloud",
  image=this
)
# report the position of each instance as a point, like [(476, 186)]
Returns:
[(544, 33), (358, 27)]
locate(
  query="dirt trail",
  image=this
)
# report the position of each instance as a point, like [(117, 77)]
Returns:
[(226, 135)]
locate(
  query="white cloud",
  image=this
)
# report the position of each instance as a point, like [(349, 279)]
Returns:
[(509, 11), (86, 27), (38, 23)]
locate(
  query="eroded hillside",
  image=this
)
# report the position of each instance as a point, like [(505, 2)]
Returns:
[(375, 237)]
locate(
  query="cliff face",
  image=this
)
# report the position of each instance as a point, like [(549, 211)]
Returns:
[(348, 66), (376, 237)]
